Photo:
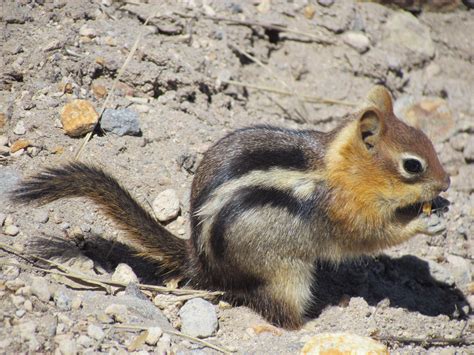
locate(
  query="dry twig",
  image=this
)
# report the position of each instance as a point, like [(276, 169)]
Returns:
[(196, 340), (306, 98), (99, 282), (275, 27)]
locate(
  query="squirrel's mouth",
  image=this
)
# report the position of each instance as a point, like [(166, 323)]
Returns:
[(438, 205)]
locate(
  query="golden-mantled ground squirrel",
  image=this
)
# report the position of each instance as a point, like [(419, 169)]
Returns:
[(267, 203)]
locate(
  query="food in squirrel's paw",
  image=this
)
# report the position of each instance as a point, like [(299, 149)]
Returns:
[(427, 207), (267, 203)]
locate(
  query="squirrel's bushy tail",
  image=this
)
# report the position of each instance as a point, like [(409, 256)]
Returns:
[(76, 179)]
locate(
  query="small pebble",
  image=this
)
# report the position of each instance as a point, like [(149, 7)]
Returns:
[(3, 140), (198, 318), (20, 313), (19, 129), (166, 205), (85, 31), (164, 344), (40, 288), (14, 285), (358, 41), (40, 216), (67, 347), (19, 144), (11, 230), (85, 341), (62, 300), (124, 273), (95, 332), (28, 306), (118, 312), (3, 217), (76, 303), (154, 334)]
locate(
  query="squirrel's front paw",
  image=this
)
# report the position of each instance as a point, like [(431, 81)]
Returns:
[(432, 224)]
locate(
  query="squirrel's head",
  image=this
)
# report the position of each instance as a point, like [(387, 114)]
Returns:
[(383, 160)]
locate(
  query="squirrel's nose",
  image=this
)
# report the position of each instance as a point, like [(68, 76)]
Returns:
[(446, 183)]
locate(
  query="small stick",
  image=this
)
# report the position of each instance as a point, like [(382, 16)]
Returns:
[(280, 28), (427, 341), (196, 340), (306, 98)]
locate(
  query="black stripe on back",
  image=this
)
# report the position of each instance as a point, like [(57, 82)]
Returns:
[(251, 197)]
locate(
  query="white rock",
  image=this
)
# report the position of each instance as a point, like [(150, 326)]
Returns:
[(62, 300), (460, 269), (198, 318), (85, 31), (124, 273), (166, 205), (19, 128), (164, 345), (11, 230), (67, 347), (154, 334), (358, 41), (95, 332), (118, 312), (27, 330), (3, 140), (40, 288), (85, 341), (342, 343)]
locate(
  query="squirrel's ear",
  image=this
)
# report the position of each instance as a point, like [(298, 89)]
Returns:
[(380, 98), (378, 106), (370, 127)]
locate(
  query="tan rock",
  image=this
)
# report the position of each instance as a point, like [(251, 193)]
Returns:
[(343, 343), (3, 120), (19, 144), (309, 11), (78, 117), (99, 91)]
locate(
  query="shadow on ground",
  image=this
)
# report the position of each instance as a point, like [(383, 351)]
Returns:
[(406, 281)]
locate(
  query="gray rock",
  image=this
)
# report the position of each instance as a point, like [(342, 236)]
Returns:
[(124, 273), (40, 288), (19, 128), (469, 149), (121, 122), (357, 40), (62, 300), (439, 272), (3, 216), (40, 216), (406, 36), (460, 269), (166, 205), (95, 332), (198, 318)]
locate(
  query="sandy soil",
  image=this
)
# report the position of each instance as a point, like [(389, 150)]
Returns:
[(417, 297)]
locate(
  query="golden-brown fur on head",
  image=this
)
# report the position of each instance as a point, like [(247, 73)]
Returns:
[(365, 168)]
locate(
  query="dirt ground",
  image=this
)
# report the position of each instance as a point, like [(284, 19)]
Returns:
[(202, 69)]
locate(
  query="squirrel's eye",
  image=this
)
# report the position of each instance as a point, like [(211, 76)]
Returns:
[(412, 166)]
